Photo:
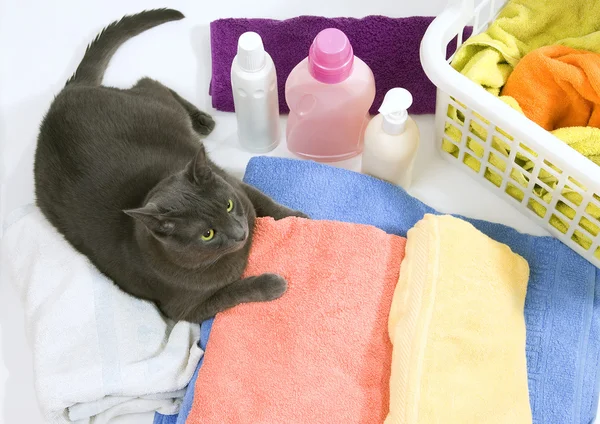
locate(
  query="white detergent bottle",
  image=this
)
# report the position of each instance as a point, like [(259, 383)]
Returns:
[(254, 86), (392, 140)]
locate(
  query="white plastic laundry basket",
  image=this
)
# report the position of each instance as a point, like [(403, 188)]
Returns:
[(569, 217)]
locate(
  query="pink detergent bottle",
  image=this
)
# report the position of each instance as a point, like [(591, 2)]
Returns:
[(329, 95)]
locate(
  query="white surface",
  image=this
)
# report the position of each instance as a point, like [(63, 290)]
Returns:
[(42, 42), (525, 133)]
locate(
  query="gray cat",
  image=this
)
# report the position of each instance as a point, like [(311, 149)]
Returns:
[(123, 175)]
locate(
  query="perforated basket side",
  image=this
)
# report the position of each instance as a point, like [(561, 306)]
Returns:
[(535, 184)]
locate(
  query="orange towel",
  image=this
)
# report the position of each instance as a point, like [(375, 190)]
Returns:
[(320, 353), (557, 87)]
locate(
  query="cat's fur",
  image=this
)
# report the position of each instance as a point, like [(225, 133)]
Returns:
[(123, 175)]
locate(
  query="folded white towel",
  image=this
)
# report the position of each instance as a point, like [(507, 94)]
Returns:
[(97, 352)]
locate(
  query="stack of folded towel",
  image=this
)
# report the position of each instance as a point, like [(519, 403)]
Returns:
[(562, 306), (562, 322)]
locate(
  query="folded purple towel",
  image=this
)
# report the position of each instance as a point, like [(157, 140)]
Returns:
[(390, 46)]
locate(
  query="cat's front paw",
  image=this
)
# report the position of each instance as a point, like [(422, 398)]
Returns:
[(270, 286), (202, 122)]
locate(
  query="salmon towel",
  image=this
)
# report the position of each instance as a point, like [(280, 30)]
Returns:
[(557, 87), (319, 354)]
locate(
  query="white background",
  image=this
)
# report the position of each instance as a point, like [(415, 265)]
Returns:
[(41, 42)]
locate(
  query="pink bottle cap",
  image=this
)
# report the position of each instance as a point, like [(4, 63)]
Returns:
[(330, 57)]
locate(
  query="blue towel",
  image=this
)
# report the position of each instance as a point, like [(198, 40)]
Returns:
[(562, 308)]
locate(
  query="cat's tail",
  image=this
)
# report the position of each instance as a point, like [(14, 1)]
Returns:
[(98, 53)]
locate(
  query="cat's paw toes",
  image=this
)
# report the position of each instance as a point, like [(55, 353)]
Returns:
[(300, 214), (203, 123), (284, 213), (272, 286)]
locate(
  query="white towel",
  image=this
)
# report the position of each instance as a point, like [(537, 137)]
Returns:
[(97, 351)]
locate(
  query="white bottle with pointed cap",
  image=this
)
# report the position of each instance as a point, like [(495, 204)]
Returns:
[(392, 140), (254, 86)]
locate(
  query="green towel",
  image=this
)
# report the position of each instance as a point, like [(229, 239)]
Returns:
[(522, 26)]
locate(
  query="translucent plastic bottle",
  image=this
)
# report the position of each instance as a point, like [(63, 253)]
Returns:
[(254, 86), (329, 95)]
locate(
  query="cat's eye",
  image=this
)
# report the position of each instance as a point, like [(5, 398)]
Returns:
[(208, 235), (229, 205)]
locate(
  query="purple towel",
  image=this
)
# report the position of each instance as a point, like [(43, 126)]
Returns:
[(390, 46)]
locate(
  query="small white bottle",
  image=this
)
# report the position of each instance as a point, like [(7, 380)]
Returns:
[(254, 85), (392, 140)]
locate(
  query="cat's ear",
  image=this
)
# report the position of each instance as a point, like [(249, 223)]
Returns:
[(198, 170), (152, 218)]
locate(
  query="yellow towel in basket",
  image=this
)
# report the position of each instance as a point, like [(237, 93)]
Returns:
[(522, 26), (586, 140), (458, 330)]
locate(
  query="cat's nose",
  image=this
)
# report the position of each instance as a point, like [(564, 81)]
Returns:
[(241, 237), (241, 234)]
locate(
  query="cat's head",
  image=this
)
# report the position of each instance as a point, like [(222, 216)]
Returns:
[(195, 214)]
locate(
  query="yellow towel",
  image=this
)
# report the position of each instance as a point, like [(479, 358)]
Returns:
[(522, 26), (458, 330)]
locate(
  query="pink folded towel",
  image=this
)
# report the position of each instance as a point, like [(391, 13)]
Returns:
[(320, 353)]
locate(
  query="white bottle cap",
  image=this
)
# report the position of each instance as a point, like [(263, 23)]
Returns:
[(395, 110), (251, 52)]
